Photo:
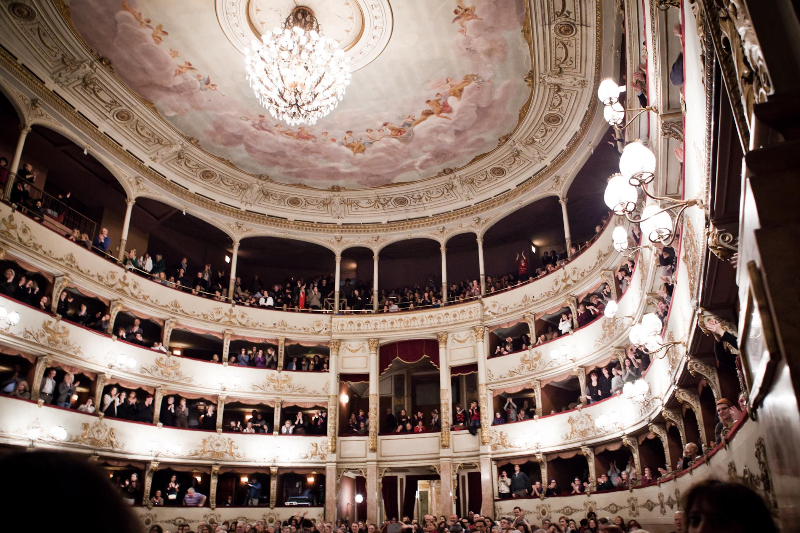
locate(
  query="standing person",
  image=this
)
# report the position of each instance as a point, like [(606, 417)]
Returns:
[(522, 265), (48, 386), (101, 242), (167, 416), (519, 483), (254, 492), (172, 490), (66, 390), (504, 485), (474, 418), (182, 415)]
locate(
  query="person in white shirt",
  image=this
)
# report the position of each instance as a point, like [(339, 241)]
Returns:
[(112, 395), (287, 428), (48, 386), (88, 407), (565, 325)]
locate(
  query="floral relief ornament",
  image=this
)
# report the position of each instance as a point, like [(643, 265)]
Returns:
[(53, 335), (168, 368), (581, 425), (98, 434), (279, 383), (217, 447)]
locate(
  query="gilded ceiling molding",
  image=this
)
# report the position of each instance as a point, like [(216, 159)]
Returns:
[(77, 75)]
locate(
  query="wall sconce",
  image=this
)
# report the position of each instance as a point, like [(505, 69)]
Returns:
[(310, 479), (360, 498), (176, 352), (58, 433), (564, 353), (608, 422), (647, 336), (637, 167), (227, 259), (123, 362), (614, 113), (244, 479), (10, 319), (344, 398), (199, 479)]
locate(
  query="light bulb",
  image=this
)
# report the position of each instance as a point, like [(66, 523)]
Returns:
[(344, 398), (651, 324), (58, 433), (13, 318), (611, 309), (3, 313), (614, 114), (637, 159), (656, 224), (637, 335), (608, 91), (620, 196)]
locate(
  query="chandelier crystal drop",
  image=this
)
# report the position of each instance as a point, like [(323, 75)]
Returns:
[(298, 74)]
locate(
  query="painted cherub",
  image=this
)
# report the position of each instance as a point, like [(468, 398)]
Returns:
[(158, 33), (463, 15), (143, 22), (183, 69), (205, 83)]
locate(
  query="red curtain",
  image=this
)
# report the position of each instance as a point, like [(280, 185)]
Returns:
[(389, 493), (463, 370), (354, 378), (409, 352), (410, 493), (475, 492), (361, 488)]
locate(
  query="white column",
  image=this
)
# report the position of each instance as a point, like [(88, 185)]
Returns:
[(12, 170), (233, 270), (481, 269), (333, 398), (126, 224), (567, 237), (336, 281), (375, 294), (444, 274), (484, 395), (374, 378), (445, 415)]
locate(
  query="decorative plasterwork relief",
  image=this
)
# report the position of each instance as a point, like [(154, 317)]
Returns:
[(167, 368), (98, 434), (498, 440), (217, 447), (569, 76), (52, 334), (530, 363), (407, 321), (581, 426), (280, 382), (317, 452)]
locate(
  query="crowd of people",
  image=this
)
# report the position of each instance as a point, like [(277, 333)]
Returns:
[(401, 422)]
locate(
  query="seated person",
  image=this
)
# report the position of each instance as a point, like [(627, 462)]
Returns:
[(728, 415), (605, 483), (498, 419)]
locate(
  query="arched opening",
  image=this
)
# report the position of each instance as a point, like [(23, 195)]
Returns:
[(463, 268), (566, 467), (515, 404), (127, 478), (248, 416), (508, 338), (354, 404), (357, 278), (26, 286), (174, 482), (242, 486), (127, 401), (675, 445), (691, 426), (135, 330), (188, 411), (65, 386), (196, 345), (615, 461), (464, 392), (586, 210), (305, 418), (528, 466), (178, 250), (409, 386), (652, 454), (260, 353), (306, 357), (17, 374), (407, 270), (708, 406), (560, 395), (300, 487), (287, 270), (529, 231)]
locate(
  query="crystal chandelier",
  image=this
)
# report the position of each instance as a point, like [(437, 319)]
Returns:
[(298, 75)]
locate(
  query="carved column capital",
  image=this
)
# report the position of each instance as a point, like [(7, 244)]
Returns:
[(373, 345), (335, 345), (442, 339)]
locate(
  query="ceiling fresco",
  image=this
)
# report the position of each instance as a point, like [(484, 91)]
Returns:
[(447, 84)]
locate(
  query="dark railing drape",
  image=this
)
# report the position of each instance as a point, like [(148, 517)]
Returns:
[(475, 488), (409, 352), (389, 493)]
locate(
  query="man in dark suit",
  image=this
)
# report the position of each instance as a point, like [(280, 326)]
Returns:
[(102, 242), (145, 411), (129, 410)]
